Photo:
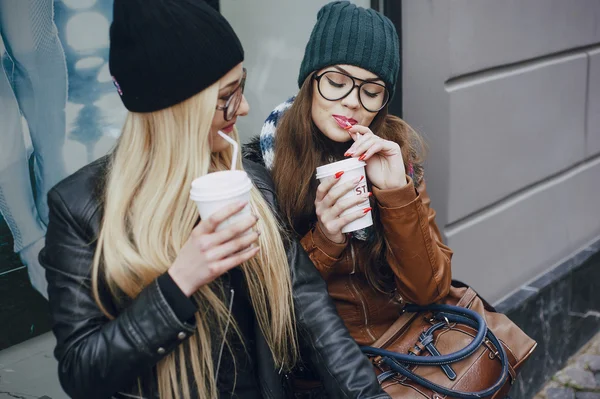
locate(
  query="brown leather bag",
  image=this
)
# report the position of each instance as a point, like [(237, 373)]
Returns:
[(475, 373)]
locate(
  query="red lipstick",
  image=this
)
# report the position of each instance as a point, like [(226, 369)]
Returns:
[(344, 122)]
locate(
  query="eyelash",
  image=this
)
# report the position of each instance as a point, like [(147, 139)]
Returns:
[(334, 84), (372, 95)]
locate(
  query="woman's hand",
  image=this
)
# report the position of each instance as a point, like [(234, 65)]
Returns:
[(385, 166), (330, 205), (207, 254)]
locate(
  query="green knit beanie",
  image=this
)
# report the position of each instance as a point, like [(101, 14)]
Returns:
[(347, 34)]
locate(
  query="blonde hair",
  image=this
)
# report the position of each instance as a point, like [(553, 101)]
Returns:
[(145, 225)]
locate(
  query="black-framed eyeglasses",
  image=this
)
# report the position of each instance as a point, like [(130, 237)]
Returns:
[(334, 86), (232, 104)]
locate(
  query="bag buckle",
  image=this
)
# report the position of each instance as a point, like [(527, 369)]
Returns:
[(447, 321), (494, 353), (377, 361)]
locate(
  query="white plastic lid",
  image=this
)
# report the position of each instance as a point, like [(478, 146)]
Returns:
[(340, 166), (220, 185)]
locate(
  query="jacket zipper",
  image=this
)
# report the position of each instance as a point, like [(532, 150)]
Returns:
[(265, 391), (357, 291), (225, 334)]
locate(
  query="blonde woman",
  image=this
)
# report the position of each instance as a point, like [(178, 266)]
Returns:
[(147, 300)]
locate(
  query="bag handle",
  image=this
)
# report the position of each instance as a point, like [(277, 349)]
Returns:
[(450, 392), (454, 314), (443, 312)]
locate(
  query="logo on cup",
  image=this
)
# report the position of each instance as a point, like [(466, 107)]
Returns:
[(361, 189)]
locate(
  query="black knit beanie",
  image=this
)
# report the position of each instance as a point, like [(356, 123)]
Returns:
[(163, 52), (348, 34)]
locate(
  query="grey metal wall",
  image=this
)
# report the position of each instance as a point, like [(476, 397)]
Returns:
[(507, 93)]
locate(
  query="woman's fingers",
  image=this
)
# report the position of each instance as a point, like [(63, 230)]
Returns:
[(326, 185), (358, 133), (374, 149), (358, 130), (352, 216), (344, 204), (210, 224), (231, 247), (339, 190), (226, 264), (207, 254), (337, 223), (233, 230), (358, 148), (366, 144)]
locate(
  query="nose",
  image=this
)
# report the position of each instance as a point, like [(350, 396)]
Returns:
[(351, 100), (244, 107)]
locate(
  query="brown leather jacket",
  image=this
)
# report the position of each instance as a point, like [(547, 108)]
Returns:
[(418, 258)]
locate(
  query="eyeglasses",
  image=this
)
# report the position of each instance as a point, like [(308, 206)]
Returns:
[(232, 104), (334, 86)]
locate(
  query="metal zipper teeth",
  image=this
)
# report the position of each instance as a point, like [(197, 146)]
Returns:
[(358, 294)]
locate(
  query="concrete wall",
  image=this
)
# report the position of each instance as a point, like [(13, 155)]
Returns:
[(507, 93)]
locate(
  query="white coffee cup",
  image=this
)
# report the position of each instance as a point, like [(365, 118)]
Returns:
[(214, 191), (353, 169)]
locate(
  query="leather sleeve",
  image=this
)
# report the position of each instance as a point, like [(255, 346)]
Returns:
[(418, 257), (344, 370), (98, 357), (323, 252), (185, 308)]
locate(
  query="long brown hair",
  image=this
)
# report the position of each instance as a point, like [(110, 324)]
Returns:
[(300, 147)]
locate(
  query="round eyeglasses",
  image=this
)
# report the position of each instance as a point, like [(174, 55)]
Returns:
[(334, 86), (232, 103)]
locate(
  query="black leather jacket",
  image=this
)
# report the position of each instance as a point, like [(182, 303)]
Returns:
[(102, 358)]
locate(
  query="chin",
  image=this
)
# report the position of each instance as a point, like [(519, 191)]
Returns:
[(219, 145), (338, 135)]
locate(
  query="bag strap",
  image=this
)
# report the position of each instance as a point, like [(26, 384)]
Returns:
[(397, 361), (444, 313), (395, 329), (403, 370), (467, 298), (486, 304)]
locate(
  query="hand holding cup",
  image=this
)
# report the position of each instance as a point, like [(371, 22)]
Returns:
[(209, 253), (342, 200)]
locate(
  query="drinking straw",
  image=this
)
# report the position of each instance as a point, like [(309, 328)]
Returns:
[(235, 148)]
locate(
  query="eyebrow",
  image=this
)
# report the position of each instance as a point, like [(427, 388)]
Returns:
[(230, 84), (364, 80)]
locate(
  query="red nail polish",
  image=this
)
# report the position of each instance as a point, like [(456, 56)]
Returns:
[(369, 194), (362, 157), (366, 210), (361, 179), (348, 154), (338, 175)]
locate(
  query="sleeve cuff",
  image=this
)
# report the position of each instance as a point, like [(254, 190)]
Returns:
[(331, 249), (183, 307), (397, 197)]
